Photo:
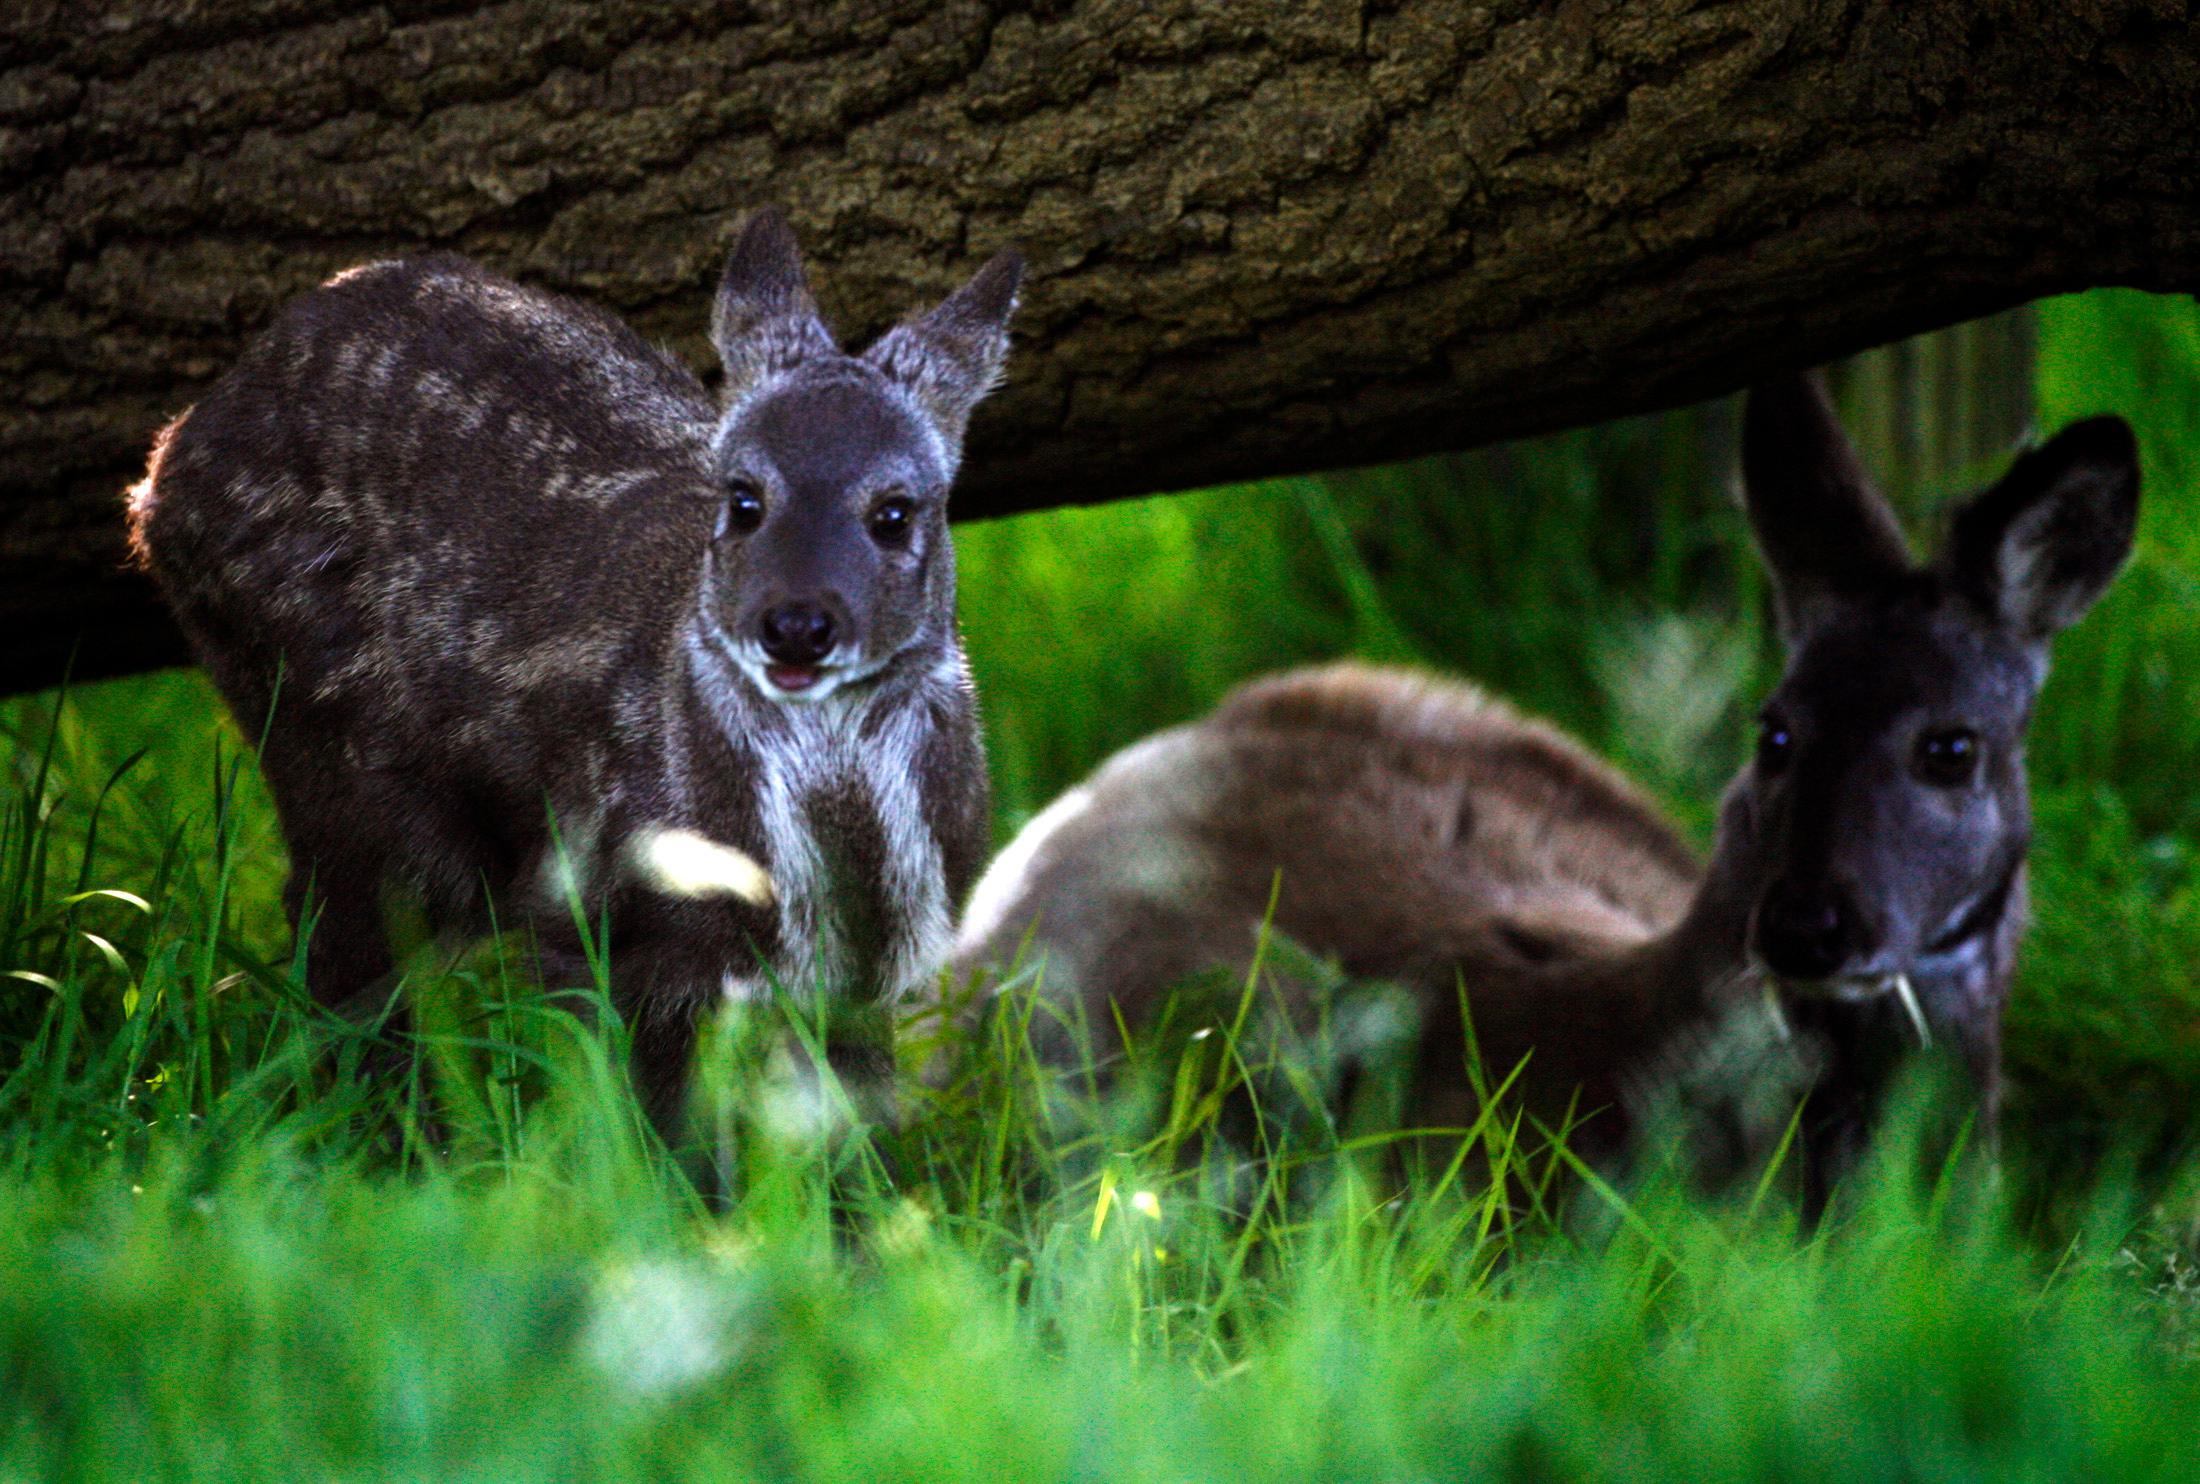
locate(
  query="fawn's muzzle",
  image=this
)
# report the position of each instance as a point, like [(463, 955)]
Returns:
[(1807, 932), (798, 634)]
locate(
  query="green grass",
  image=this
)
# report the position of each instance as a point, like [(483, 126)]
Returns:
[(227, 1253), (228, 1257)]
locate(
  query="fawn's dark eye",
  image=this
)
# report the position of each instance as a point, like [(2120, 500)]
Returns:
[(1948, 758), (891, 520), (1775, 744), (744, 510)]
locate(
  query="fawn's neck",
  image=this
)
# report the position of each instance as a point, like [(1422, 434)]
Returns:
[(856, 860)]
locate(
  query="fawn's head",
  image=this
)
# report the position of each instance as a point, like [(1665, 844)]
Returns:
[(1885, 817), (831, 554)]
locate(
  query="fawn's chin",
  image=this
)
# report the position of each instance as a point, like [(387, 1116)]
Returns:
[(1833, 989), (1882, 986), (1838, 989), (794, 680), (798, 685)]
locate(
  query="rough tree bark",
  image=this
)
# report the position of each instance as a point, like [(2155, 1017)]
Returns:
[(1265, 236)]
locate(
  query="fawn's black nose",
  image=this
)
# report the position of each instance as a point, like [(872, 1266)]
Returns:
[(797, 633), (1806, 932)]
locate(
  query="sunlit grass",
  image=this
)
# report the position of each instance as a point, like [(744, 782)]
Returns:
[(229, 1255)]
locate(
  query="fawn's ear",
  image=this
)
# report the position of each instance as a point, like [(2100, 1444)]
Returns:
[(2035, 550), (1825, 530), (764, 320), (952, 356)]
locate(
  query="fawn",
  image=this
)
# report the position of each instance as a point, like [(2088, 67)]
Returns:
[(528, 620), (1867, 880)]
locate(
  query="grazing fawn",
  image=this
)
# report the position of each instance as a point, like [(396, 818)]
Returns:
[(1867, 879), (527, 619)]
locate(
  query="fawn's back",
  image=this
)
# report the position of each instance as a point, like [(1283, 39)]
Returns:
[(1404, 826), (445, 509)]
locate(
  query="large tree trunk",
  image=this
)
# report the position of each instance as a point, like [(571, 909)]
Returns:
[(1264, 237)]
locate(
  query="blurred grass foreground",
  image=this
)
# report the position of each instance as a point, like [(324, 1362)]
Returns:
[(228, 1255)]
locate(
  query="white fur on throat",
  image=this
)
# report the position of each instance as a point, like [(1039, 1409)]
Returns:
[(808, 748)]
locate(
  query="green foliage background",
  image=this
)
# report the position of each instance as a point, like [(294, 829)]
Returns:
[(226, 1256)]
